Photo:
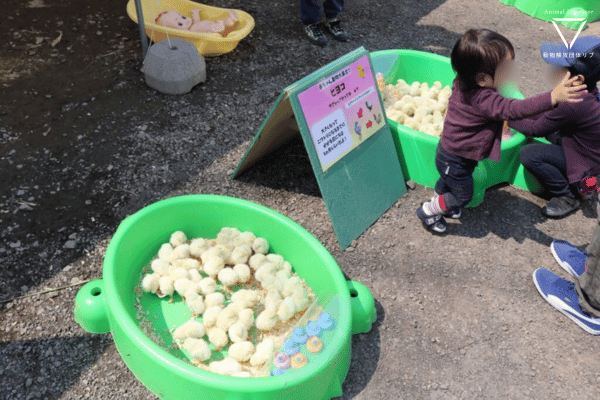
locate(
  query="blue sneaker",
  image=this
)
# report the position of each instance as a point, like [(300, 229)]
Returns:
[(561, 295), (569, 257)]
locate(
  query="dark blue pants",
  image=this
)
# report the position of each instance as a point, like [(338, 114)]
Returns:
[(456, 179), (548, 164), (310, 10)]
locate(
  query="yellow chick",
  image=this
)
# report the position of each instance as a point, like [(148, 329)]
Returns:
[(209, 319), (241, 351), (361, 71), (264, 352), (218, 338), (197, 348), (243, 272), (266, 320), (238, 332), (177, 238)]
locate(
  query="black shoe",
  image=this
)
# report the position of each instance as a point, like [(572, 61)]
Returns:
[(456, 214), (315, 34), (334, 26), (560, 206)]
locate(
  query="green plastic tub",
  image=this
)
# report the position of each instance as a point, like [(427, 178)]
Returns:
[(108, 304), (416, 150), (548, 9)]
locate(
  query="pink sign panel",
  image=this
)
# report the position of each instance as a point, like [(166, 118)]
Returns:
[(342, 111)]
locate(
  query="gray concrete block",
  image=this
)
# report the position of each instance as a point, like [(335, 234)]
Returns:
[(174, 69)]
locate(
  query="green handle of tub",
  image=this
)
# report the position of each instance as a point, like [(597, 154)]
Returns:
[(90, 308), (363, 307)]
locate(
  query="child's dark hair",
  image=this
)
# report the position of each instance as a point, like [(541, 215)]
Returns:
[(588, 67), (478, 51)]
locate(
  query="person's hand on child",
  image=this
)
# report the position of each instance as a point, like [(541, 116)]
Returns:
[(568, 90)]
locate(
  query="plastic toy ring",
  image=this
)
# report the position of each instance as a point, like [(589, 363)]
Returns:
[(299, 360), (314, 344)]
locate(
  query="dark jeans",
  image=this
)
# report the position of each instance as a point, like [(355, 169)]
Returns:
[(456, 179), (588, 284), (548, 164), (310, 10)]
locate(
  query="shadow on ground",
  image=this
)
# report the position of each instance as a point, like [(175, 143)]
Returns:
[(45, 368)]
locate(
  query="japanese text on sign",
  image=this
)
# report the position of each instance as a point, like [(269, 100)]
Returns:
[(331, 136), (332, 79), (360, 97)]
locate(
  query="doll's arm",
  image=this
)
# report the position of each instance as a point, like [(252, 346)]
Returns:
[(196, 15)]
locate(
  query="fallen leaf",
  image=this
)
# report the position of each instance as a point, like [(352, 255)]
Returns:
[(55, 41)]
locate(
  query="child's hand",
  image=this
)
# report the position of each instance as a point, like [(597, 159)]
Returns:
[(566, 91)]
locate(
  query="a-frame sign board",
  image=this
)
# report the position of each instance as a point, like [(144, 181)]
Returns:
[(339, 114)]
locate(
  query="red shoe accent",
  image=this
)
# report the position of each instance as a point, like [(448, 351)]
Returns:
[(589, 185)]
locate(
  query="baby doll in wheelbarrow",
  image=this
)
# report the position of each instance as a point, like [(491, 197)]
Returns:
[(175, 20)]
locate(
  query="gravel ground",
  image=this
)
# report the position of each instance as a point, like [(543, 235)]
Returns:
[(84, 143)]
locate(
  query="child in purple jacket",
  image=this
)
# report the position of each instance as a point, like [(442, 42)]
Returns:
[(482, 60), (560, 167)]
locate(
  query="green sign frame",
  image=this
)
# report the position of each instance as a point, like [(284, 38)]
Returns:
[(362, 183)]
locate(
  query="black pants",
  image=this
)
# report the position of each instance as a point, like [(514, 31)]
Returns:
[(456, 179), (548, 164), (310, 10), (588, 284)]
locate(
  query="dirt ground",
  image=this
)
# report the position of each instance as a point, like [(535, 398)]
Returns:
[(84, 143)]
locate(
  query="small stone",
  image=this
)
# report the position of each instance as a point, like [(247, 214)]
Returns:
[(88, 202), (24, 288), (411, 184), (28, 382), (350, 248), (70, 244)]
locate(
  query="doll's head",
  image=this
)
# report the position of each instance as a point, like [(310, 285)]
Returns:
[(581, 59), (173, 19), (482, 58)]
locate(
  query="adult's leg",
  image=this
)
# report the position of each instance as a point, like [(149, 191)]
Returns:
[(588, 284), (333, 8), (310, 11), (548, 164)]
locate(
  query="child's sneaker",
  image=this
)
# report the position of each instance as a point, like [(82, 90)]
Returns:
[(569, 257), (561, 295), (559, 207), (455, 214), (435, 223), (315, 34), (334, 26), (440, 225)]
